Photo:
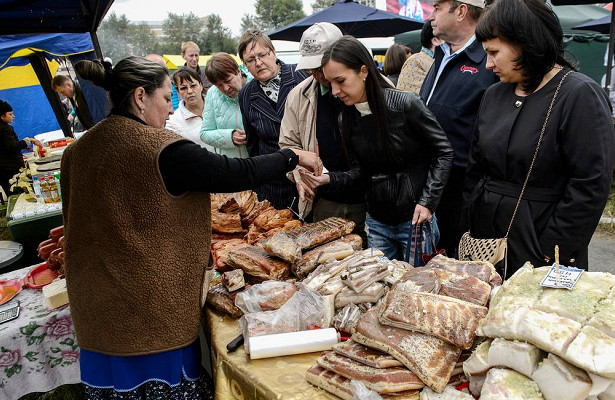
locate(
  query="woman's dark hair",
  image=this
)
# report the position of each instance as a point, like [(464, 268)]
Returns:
[(184, 74), (122, 80), (394, 59), (426, 35), (350, 52), (533, 26)]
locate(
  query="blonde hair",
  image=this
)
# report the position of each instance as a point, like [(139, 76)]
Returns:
[(187, 44)]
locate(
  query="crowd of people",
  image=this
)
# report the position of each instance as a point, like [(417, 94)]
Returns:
[(448, 139)]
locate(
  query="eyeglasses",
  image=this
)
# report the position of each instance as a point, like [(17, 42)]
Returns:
[(192, 86), (252, 60)]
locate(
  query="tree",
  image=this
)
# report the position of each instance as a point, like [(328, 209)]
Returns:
[(217, 37), (273, 14), (113, 36), (142, 40), (319, 5), (249, 21), (178, 28)]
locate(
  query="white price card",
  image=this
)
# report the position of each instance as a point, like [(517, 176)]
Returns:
[(561, 277)]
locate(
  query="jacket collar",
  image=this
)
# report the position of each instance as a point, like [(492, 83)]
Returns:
[(260, 101)]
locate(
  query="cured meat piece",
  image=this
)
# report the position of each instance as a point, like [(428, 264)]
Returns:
[(360, 277), (478, 362), (256, 262), (220, 251), (548, 331), (365, 355), (230, 206), (265, 323), (419, 279), (518, 356), (340, 386), (523, 288), (476, 384), (381, 380), (225, 223), (272, 218), (462, 287), (338, 250), (327, 230), (269, 295), (449, 393), (346, 319), (370, 295), (559, 380), (593, 351), (332, 286), (483, 270), (449, 319), (430, 358), (604, 316), (506, 384), (233, 280), (247, 202), (257, 209), (283, 246), (219, 298), (579, 303), (502, 321), (217, 199)]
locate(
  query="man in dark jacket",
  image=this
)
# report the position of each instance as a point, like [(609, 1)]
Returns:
[(72, 91), (453, 89)]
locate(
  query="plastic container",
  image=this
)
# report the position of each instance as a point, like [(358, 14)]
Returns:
[(53, 189), (56, 177), (9, 289), (39, 276), (46, 194)]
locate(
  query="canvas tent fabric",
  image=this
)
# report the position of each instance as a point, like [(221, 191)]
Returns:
[(45, 16), (353, 19), (23, 89)]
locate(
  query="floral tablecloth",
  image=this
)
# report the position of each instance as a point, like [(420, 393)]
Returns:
[(38, 350)]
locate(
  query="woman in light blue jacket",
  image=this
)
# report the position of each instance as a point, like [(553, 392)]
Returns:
[(222, 123)]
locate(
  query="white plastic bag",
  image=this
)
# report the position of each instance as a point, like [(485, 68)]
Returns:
[(361, 392)]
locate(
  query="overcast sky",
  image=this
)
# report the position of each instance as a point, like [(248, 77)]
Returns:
[(230, 11)]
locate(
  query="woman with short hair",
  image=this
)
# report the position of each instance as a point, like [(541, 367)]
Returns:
[(571, 175), (222, 126)]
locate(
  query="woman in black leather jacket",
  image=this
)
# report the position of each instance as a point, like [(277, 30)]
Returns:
[(402, 155)]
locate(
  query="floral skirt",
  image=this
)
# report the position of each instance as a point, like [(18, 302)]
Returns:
[(200, 389)]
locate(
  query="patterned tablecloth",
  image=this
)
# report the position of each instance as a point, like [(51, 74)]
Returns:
[(38, 350), (238, 377)]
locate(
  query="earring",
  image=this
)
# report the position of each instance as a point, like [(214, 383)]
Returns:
[(143, 111), (364, 79)]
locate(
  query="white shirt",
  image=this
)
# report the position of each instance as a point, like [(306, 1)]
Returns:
[(187, 124)]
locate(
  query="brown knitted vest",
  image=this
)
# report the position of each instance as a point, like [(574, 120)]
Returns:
[(135, 255)]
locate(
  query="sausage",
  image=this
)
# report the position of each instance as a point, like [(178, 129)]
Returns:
[(45, 251), (57, 233), (45, 243)]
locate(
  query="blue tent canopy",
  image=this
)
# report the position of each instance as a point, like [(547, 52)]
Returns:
[(53, 45), (46, 16), (353, 19)]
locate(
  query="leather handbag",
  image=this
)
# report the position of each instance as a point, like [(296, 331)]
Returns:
[(417, 233), (496, 250)]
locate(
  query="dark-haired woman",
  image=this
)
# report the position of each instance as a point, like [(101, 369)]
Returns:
[(571, 176), (138, 225), (394, 59), (403, 155)]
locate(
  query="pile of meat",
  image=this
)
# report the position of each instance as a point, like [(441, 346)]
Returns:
[(547, 343), (52, 250), (417, 335)]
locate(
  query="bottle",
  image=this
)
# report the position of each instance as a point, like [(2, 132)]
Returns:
[(56, 177), (36, 187), (53, 189), (45, 190)]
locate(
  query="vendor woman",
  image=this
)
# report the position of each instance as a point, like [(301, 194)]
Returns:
[(138, 230), (11, 159)]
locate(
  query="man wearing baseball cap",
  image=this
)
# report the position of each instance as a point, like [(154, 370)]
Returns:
[(453, 89), (310, 123)]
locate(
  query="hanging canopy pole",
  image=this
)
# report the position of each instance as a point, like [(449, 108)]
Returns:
[(96, 45), (39, 64), (609, 62)]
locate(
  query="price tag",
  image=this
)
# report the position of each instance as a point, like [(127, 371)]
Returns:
[(561, 277)]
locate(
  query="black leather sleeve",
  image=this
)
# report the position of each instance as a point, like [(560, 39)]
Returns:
[(439, 149)]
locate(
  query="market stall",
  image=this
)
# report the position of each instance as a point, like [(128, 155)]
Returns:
[(38, 349)]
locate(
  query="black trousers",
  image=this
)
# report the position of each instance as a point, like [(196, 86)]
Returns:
[(449, 211)]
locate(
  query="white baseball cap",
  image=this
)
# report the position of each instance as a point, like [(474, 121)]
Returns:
[(314, 41)]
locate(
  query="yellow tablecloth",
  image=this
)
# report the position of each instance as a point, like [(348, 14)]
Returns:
[(238, 377)]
